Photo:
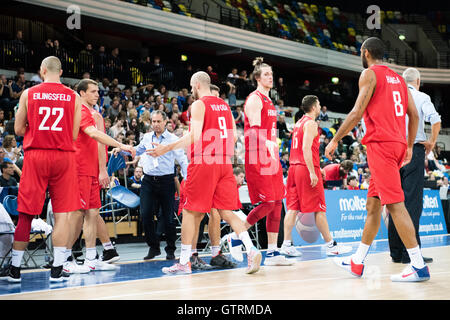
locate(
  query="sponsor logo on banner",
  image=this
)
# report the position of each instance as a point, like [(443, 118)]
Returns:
[(432, 221)]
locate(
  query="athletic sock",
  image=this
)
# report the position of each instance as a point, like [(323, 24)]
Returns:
[(59, 256), (193, 251), (361, 253), (245, 238), (416, 257), (68, 254), (91, 253), (271, 247), (16, 259), (185, 253), (287, 243), (215, 250), (108, 245)]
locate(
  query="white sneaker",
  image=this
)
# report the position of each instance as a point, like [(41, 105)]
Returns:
[(98, 265), (412, 274), (274, 258), (254, 258), (290, 251), (338, 249), (72, 267), (235, 247)]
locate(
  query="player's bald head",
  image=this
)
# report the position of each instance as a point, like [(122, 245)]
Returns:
[(202, 78), (52, 64)]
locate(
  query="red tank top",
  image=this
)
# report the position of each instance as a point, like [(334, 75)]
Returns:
[(86, 147), (268, 119), (50, 114), (384, 116), (296, 155), (217, 141)]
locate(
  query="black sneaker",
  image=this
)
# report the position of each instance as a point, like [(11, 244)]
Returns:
[(11, 274), (221, 262), (57, 274), (198, 264), (110, 256)]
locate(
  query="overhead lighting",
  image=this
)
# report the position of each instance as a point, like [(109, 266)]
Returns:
[(184, 57), (402, 37), (335, 80)]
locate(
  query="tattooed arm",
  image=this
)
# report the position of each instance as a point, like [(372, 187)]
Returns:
[(367, 84)]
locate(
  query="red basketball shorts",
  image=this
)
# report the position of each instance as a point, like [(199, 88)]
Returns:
[(90, 192), (210, 186), (52, 169), (385, 160), (300, 195), (265, 181)]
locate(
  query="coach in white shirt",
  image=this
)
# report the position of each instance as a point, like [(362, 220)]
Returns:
[(412, 173)]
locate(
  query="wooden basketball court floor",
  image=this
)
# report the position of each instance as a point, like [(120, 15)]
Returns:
[(313, 276)]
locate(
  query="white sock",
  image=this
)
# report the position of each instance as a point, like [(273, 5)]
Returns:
[(59, 254), (215, 250), (108, 245), (271, 247), (185, 253), (16, 258), (91, 253), (193, 251), (287, 243), (245, 238), (361, 253), (68, 254), (416, 257)]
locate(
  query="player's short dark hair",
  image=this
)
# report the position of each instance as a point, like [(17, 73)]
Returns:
[(375, 47), (308, 102), (213, 87), (83, 85), (351, 178), (347, 165)]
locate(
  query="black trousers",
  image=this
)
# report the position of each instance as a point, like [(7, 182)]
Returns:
[(158, 192), (412, 177)]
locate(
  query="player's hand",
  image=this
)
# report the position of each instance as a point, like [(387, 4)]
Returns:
[(116, 151), (429, 146), (330, 149), (103, 178), (159, 150), (272, 147), (408, 157), (314, 179), (129, 149)]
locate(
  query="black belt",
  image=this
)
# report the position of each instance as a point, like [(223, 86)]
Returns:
[(156, 178)]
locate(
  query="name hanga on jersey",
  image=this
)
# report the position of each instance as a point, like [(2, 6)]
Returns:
[(392, 80), (51, 96)]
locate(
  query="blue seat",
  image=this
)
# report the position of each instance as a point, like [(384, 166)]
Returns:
[(119, 197), (10, 205)]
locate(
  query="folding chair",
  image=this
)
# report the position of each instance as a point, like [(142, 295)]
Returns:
[(10, 205), (120, 198)]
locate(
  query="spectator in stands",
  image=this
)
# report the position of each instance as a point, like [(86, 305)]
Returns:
[(86, 58), (366, 181), (281, 89), (115, 108), (335, 175), (352, 183), (231, 83), (135, 182), (118, 128), (101, 62), (305, 85), (115, 63), (18, 46), (239, 116), (18, 87), (108, 125), (10, 148), (283, 132), (7, 179), (6, 93), (323, 116), (213, 75), (36, 78)]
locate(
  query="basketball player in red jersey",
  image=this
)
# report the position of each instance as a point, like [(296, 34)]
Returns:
[(305, 192), (210, 182), (49, 119), (384, 100), (90, 176), (262, 165)]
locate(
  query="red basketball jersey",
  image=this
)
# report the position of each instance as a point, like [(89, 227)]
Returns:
[(216, 144), (268, 119), (296, 155), (384, 116), (86, 147), (50, 114)]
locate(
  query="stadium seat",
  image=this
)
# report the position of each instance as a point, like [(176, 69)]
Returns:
[(120, 198)]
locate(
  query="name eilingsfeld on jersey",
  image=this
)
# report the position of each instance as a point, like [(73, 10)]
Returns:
[(392, 80), (219, 107), (51, 96)]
